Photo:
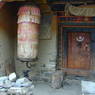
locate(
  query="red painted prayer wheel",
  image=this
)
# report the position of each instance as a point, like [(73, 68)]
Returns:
[(28, 31)]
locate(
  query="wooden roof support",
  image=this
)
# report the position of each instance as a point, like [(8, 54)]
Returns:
[(42, 1), (43, 4), (45, 8), (11, 0), (79, 26), (74, 2)]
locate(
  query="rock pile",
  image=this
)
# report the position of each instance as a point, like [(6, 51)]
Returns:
[(11, 85)]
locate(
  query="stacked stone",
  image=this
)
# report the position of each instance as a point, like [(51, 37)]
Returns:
[(10, 85)]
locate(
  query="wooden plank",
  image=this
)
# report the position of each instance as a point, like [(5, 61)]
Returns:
[(41, 1), (72, 2), (45, 8), (74, 16), (79, 53), (60, 48), (62, 18), (79, 26), (12, 0), (77, 72), (76, 21)]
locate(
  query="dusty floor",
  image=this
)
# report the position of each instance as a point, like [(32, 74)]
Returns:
[(70, 87)]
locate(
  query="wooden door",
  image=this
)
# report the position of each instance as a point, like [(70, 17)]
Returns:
[(79, 52)]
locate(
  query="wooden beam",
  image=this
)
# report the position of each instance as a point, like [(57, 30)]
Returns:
[(80, 26), (75, 2), (43, 4), (11, 0), (73, 16), (41, 1), (75, 21), (45, 8)]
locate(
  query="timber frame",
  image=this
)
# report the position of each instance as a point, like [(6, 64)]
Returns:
[(61, 59)]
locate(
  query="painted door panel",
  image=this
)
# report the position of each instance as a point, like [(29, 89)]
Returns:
[(79, 52)]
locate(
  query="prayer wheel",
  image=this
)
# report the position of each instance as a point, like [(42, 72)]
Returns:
[(28, 32)]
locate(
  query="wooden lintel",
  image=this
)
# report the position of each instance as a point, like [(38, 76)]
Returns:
[(11, 0), (75, 21), (41, 1), (60, 11), (80, 26), (73, 16), (47, 12), (75, 2)]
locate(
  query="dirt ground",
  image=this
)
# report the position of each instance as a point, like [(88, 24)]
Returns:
[(71, 86)]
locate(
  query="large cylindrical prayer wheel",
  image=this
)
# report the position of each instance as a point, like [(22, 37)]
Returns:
[(28, 31)]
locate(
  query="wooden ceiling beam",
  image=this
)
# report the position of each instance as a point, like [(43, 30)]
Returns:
[(45, 8), (75, 2), (43, 4), (11, 0), (41, 1)]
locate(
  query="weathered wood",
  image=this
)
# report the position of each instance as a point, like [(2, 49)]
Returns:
[(79, 53)]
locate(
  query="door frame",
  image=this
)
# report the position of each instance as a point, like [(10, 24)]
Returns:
[(75, 70), (62, 60)]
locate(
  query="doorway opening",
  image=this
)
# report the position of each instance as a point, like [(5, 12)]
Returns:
[(77, 52)]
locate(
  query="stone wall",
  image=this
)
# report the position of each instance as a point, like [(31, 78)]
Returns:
[(46, 63)]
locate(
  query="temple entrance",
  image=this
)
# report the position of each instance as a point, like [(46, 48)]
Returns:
[(79, 52)]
